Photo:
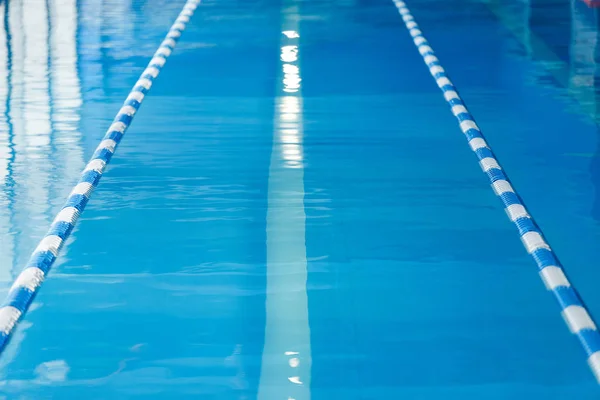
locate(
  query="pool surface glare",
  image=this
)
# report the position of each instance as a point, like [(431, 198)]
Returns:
[(294, 213), (21, 293)]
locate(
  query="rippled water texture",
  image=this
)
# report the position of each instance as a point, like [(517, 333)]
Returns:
[(294, 213)]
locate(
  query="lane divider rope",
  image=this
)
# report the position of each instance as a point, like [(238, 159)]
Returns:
[(573, 310), (28, 282)]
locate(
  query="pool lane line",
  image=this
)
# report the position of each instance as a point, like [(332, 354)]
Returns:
[(573, 310), (285, 371), (27, 284)]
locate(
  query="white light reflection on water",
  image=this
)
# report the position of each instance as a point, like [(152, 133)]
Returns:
[(6, 242), (286, 364), (66, 93), (40, 148), (32, 130)]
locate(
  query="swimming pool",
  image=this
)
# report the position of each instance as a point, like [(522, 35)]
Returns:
[(295, 212)]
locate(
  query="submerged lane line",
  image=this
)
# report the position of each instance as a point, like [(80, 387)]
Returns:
[(286, 361), (28, 282), (572, 307)]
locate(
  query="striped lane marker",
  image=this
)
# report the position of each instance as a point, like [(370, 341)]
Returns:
[(28, 282), (572, 307)]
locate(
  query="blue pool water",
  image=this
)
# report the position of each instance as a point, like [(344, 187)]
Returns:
[(334, 242)]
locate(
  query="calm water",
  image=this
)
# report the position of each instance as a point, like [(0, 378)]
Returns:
[(335, 241)]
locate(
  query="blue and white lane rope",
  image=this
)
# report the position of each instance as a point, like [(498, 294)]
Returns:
[(572, 307), (28, 282)]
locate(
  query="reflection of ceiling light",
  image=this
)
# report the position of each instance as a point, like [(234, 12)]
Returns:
[(288, 125), (293, 82), (290, 104), (290, 111), (291, 34), (293, 164), (290, 69), (289, 158), (295, 158), (291, 149), (289, 53), (290, 139), (289, 116)]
